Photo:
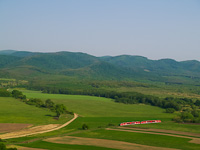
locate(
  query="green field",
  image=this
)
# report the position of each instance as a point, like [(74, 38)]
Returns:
[(99, 112), (90, 106), (141, 138), (14, 111)]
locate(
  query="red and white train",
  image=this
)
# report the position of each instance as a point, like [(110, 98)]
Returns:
[(138, 122)]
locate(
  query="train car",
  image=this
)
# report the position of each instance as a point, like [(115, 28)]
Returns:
[(150, 121), (129, 123)]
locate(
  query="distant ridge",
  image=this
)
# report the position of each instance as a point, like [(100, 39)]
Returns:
[(6, 52), (82, 65)]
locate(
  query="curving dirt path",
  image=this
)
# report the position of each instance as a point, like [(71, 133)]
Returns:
[(193, 140), (36, 130)]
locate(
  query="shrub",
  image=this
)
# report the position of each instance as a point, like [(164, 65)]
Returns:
[(170, 110), (85, 127), (110, 124), (177, 119)]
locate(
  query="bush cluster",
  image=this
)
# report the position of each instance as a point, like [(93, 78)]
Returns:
[(188, 116)]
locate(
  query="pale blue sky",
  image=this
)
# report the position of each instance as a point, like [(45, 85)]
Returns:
[(152, 28)]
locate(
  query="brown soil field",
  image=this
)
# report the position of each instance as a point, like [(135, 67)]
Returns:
[(28, 131), (36, 130), (9, 127), (163, 131), (103, 143), (193, 140)]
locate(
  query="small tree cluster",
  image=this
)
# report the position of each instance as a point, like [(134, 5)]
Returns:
[(4, 93), (170, 110), (18, 94), (190, 116)]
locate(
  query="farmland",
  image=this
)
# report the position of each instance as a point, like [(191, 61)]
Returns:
[(98, 113)]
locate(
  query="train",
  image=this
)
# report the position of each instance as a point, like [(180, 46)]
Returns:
[(139, 122)]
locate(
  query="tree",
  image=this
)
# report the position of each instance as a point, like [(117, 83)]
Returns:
[(17, 94), (85, 127), (60, 109), (187, 117), (170, 110), (197, 103), (195, 113), (35, 101), (4, 93), (49, 103)]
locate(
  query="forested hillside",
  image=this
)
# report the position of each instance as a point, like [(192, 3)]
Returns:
[(83, 66)]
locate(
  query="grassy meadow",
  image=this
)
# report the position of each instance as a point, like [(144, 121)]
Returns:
[(100, 112), (14, 111), (90, 106)]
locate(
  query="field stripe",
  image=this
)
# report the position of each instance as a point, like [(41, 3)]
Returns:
[(164, 131), (193, 140), (103, 143)]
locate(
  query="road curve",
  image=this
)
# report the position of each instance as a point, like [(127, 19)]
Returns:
[(3, 136)]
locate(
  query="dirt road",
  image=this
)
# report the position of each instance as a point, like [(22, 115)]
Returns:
[(36, 130)]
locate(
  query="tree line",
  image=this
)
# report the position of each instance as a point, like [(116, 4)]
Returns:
[(128, 97), (171, 104)]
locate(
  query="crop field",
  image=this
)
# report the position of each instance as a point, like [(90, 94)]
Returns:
[(142, 138)]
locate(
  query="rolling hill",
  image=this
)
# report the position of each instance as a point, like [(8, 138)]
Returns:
[(20, 64)]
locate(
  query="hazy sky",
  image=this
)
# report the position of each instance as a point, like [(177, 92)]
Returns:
[(152, 28)]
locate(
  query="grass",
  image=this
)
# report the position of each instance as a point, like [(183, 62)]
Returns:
[(99, 112), (15, 111), (169, 125), (90, 106), (142, 138)]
